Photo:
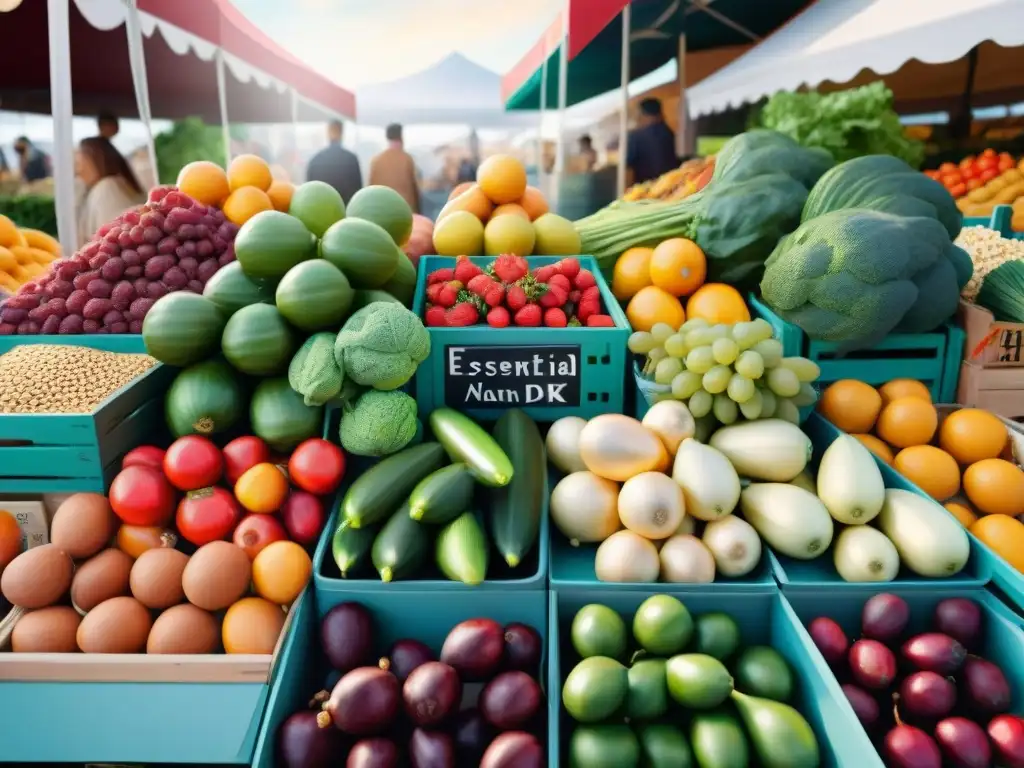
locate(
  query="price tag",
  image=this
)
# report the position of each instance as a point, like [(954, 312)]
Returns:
[(491, 377), (1009, 345)]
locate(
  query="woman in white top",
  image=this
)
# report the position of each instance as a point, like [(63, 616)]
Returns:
[(110, 186)]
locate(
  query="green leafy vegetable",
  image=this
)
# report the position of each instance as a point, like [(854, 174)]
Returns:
[(1002, 293)]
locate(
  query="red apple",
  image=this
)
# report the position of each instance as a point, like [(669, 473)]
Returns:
[(257, 531), (303, 516)]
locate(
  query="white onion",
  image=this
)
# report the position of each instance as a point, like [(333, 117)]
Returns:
[(735, 545), (626, 557), (685, 560), (671, 421), (652, 505), (563, 444), (584, 507)]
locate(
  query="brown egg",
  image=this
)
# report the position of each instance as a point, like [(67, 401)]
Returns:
[(216, 575), (83, 524), (37, 577), (184, 629), (100, 578), (156, 578), (118, 625), (48, 630)]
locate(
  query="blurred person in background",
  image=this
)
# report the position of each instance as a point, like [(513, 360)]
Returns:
[(588, 153), (335, 165), (395, 168), (34, 164), (5, 169), (469, 163), (110, 185), (651, 149), (107, 125)]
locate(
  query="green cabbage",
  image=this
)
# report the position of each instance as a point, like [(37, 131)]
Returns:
[(314, 372), (378, 424), (381, 345)]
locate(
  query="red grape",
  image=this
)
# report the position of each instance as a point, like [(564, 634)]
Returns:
[(174, 278), (135, 326), (28, 328), (6, 329), (70, 324), (50, 325), (95, 309), (167, 245), (99, 288), (81, 281), (76, 302), (204, 248), (91, 326), (123, 291), (14, 315), (195, 286), (206, 270), (140, 307), (156, 289), (156, 266)]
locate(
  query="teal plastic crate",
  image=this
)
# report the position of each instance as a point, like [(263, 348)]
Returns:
[(572, 569), (764, 619), (67, 453), (931, 358), (427, 616), (590, 359), (1002, 215), (820, 574), (1003, 638)]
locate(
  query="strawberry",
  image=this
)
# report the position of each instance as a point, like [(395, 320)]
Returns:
[(586, 308), (494, 295), (543, 274), (466, 270), (593, 293), (515, 297), (440, 276), (449, 293), (508, 267), (529, 316), (498, 317), (600, 321), (569, 267), (554, 296), (432, 290), (584, 279), (555, 318), (574, 296), (462, 314), (560, 280), (434, 316), (480, 283)]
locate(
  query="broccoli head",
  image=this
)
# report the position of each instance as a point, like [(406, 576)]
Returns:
[(381, 345), (378, 424)]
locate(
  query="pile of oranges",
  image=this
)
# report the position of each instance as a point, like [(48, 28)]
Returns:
[(963, 459), (246, 188)]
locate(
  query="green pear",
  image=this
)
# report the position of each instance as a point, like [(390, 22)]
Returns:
[(781, 736)]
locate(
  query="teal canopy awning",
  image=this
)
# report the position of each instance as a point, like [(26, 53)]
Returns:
[(655, 29)]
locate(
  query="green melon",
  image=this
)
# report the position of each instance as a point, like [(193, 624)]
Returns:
[(278, 414), (362, 250), (369, 296), (314, 296), (271, 243), (182, 328), (231, 289), (402, 284), (317, 205), (383, 206), (204, 399), (258, 341)]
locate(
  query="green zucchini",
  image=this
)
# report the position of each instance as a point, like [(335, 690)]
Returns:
[(466, 441), (516, 508), (384, 486), (401, 547), (350, 547), (442, 495), (462, 550)]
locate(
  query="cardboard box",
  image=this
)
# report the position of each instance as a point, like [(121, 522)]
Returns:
[(999, 390), (991, 343), (32, 516)]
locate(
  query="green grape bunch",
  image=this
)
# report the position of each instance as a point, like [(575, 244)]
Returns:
[(726, 372)]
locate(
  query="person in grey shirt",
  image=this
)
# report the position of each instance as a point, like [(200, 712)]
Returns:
[(335, 165)]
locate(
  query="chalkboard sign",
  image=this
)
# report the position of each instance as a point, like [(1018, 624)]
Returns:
[(489, 377)]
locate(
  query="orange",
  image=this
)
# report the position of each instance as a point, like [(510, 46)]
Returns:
[(995, 487), (534, 203), (502, 178), (459, 189), (1004, 535), (652, 305), (244, 203), (205, 182), (473, 200), (513, 209), (10, 538), (718, 303), (877, 447), (280, 194), (631, 273), (262, 488), (679, 266), (961, 512), (931, 469), (971, 434), (898, 388), (252, 625), (280, 571), (249, 171), (851, 405), (907, 421)]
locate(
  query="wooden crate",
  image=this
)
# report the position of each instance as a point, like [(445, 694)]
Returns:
[(999, 390), (991, 343)]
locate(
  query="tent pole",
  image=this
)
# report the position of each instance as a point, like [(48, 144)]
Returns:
[(541, 175), (563, 87), (295, 118), (686, 138), (222, 98), (624, 114), (137, 59), (61, 105)]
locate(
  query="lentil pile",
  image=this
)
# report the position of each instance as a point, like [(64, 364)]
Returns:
[(57, 378), (987, 249)]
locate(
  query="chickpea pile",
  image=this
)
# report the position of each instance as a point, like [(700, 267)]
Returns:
[(987, 249), (54, 378)]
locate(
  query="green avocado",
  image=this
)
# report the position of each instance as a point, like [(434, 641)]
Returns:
[(664, 746), (603, 746), (698, 681), (718, 741), (597, 630), (662, 625), (781, 736), (717, 635), (595, 689), (647, 697), (761, 671)]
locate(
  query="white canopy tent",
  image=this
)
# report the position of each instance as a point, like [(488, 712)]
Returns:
[(834, 40)]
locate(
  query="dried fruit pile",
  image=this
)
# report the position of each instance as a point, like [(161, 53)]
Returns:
[(508, 292), (172, 243)]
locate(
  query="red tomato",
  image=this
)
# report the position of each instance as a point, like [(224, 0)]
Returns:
[(952, 179), (256, 531), (1005, 164), (932, 174), (193, 462), (207, 515), (989, 153), (303, 516), (317, 466), (958, 191), (142, 496), (967, 162), (969, 173), (243, 453), (988, 175), (987, 162), (144, 456), (946, 168), (973, 184)]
